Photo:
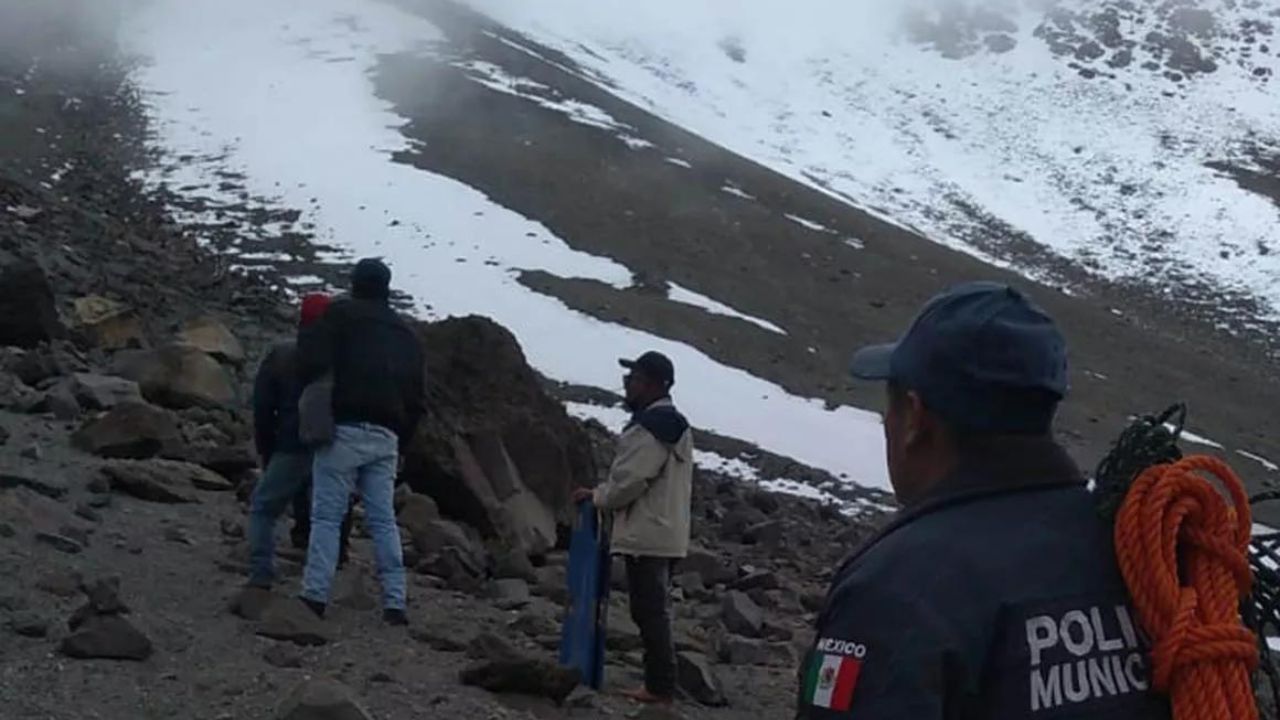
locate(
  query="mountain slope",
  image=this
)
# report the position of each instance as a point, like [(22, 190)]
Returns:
[(1102, 135)]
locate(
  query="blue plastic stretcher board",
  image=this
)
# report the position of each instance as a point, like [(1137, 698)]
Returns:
[(583, 637)]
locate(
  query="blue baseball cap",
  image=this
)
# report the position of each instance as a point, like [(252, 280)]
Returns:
[(981, 355)]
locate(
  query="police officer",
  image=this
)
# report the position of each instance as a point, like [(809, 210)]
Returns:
[(995, 592)]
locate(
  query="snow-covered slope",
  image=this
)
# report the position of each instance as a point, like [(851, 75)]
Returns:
[(1103, 130), (272, 103)]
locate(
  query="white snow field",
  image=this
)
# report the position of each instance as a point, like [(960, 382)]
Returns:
[(851, 97), (279, 92), (680, 294)]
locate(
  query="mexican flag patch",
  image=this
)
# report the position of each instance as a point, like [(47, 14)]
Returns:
[(831, 681)]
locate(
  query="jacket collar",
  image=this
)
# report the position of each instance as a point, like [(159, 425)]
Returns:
[(659, 403), (998, 467)]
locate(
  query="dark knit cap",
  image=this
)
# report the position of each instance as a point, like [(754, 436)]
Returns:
[(371, 280)]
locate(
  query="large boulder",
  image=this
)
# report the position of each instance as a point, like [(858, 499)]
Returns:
[(231, 461), (321, 699), (103, 598), (291, 621), (16, 395), (37, 365), (416, 512), (495, 450), (695, 676), (50, 487), (509, 510), (59, 402), (738, 519), (177, 376), (107, 323), (523, 675), (28, 315), (708, 566), (742, 615), (510, 593), (442, 636), (108, 637), (212, 336), (159, 481), (449, 552), (131, 430), (102, 392), (738, 650), (99, 631)]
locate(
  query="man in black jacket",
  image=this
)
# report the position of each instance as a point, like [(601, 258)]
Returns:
[(995, 592), (378, 396)]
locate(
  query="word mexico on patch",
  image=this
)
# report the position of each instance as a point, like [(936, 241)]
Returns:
[(1067, 660), (833, 673)]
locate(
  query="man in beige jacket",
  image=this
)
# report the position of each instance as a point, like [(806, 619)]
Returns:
[(648, 492)]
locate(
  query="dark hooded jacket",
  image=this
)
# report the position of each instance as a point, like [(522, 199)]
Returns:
[(275, 403), (376, 361)]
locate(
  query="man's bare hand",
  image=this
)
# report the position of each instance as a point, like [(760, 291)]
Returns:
[(581, 495)]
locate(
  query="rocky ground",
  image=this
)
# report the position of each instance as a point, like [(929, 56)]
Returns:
[(123, 567)]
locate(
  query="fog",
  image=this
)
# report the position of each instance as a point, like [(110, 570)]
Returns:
[(761, 30), (48, 24)]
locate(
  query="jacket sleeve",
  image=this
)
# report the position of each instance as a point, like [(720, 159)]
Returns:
[(266, 399), (878, 656), (315, 347), (639, 461)]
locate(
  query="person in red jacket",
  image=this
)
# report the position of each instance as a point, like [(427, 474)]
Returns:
[(285, 460)]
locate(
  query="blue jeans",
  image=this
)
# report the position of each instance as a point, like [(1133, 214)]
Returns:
[(362, 457), (286, 474)]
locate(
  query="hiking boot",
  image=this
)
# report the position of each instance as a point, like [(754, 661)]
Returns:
[(316, 607), (395, 618)]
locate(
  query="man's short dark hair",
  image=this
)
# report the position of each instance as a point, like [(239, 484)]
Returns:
[(1033, 410)]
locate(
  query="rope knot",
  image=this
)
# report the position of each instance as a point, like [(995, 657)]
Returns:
[(1183, 551), (1167, 654)]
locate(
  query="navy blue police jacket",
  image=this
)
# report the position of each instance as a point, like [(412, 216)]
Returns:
[(997, 597)]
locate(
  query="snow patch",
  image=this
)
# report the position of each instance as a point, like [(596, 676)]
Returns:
[(495, 78), (678, 161), (733, 467), (1270, 466), (305, 280), (686, 296), (737, 192), (635, 143), (815, 226), (799, 489), (613, 418)]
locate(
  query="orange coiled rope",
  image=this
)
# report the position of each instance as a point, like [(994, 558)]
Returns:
[(1183, 551)]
